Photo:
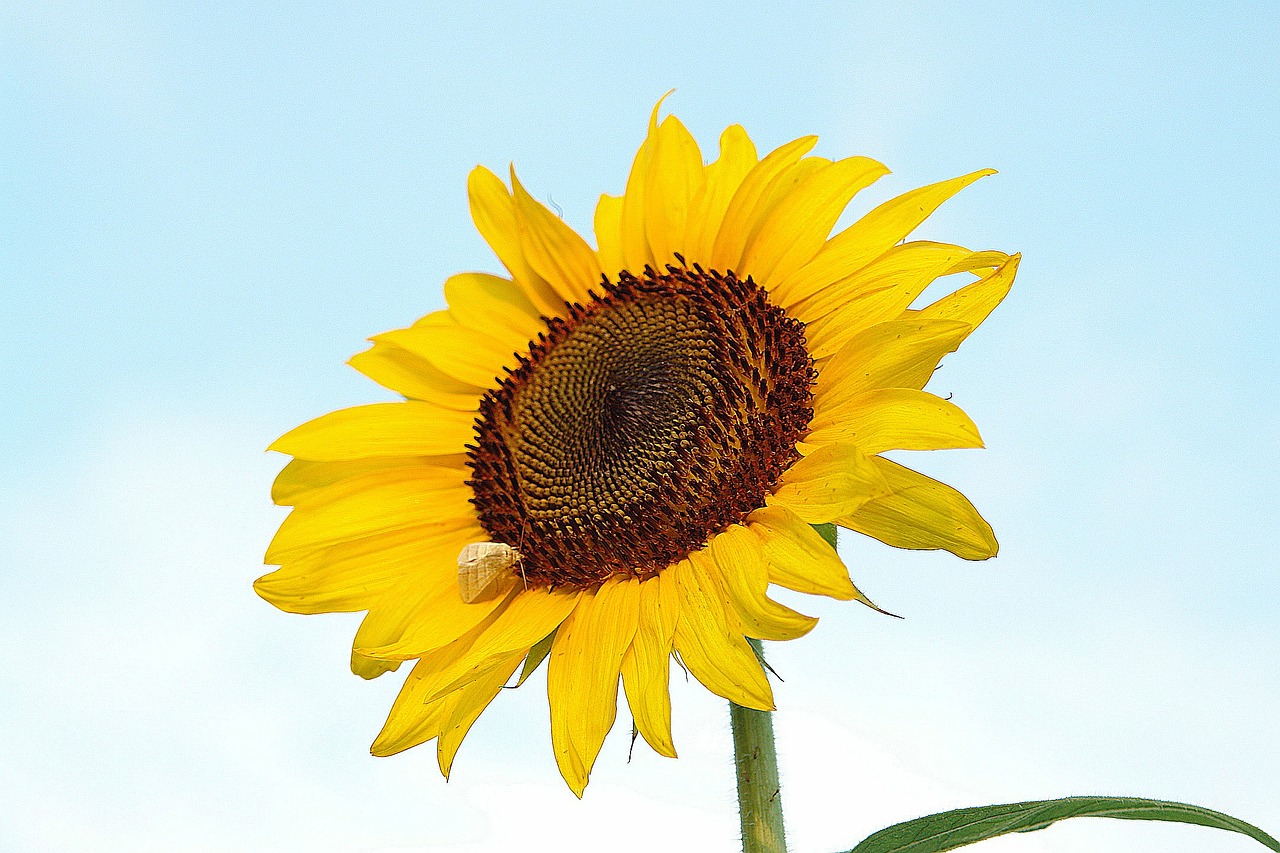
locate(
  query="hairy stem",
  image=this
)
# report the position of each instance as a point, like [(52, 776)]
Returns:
[(759, 795)]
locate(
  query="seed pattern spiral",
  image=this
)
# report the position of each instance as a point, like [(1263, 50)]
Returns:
[(640, 425)]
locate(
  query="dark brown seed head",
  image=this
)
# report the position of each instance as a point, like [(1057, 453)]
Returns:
[(640, 425)]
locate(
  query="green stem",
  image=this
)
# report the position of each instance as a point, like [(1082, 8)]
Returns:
[(759, 795)]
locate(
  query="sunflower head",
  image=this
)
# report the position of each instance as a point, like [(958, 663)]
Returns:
[(606, 456)]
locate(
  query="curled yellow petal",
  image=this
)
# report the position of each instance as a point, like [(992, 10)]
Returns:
[(878, 292), (742, 208), (741, 564), (417, 716), (385, 622), (495, 306), (646, 667), (410, 428), (468, 705), (506, 626), (897, 354), (897, 419), (871, 236), (411, 723), (582, 675), (523, 618), (413, 376), (798, 226), (972, 304), (828, 483), (494, 214), (554, 250), (439, 618), (923, 514), (723, 177), (709, 640), (799, 558), (675, 175)]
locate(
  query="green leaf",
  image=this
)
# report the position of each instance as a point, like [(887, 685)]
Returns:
[(949, 830), (536, 656), (827, 532)]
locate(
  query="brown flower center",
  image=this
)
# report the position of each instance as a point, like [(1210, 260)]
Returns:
[(640, 425)]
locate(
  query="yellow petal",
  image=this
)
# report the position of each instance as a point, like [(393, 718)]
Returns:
[(494, 214), (646, 667), (411, 428), (896, 419), (923, 514), (469, 705), (798, 557), (494, 306), (304, 481), (735, 228), (633, 231), (972, 304), (384, 623), (981, 263), (897, 354), (403, 728), (879, 292), (439, 618), (369, 669), (405, 724), (797, 228), (429, 498), (465, 354), (354, 575), (779, 190), (523, 618), (345, 479), (413, 376), (508, 628), (608, 228), (553, 249), (582, 675), (709, 640), (871, 236), (745, 576), (830, 482), (414, 722), (674, 177), (295, 589), (723, 177)]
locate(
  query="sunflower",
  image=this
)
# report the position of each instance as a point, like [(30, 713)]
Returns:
[(645, 434)]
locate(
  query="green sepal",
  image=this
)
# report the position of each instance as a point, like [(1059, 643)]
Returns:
[(949, 830), (536, 656), (827, 532)]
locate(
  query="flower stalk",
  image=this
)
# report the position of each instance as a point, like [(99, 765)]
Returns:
[(759, 793)]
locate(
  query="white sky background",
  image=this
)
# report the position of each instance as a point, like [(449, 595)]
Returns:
[(206, 212)]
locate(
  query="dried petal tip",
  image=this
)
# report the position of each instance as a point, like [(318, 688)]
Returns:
[(484, 570)]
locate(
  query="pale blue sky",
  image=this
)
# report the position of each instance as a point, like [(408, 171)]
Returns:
[(205, 211)]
